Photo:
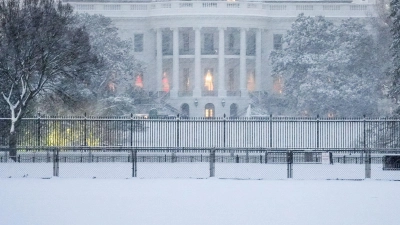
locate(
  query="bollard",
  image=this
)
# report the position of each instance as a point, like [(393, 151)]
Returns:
[(212, 162), (289, 160), (367, 164), (56, 163), (134, 163)]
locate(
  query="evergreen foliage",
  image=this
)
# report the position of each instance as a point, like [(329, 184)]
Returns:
[(395, 47), (329, 69), (108, 89)]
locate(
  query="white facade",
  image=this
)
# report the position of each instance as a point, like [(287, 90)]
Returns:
[(210, 58)]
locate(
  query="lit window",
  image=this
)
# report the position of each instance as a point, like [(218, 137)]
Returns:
[(138, 42), (208, 81), (278, 85), (186, 80), (139, 81), (165, 82), (209, 110), (251, 86), (111, 86)]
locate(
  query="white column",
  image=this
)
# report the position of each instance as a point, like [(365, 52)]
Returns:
[(221, 63), (175, 63), (243, 69), (258, 60), (197, 63), (159, 60)]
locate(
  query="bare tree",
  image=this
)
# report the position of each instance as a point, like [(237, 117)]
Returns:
[(39, 43)]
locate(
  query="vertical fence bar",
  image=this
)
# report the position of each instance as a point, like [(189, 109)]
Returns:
[(318, 132), (367, 163), (212, 162), (56, 162), (134, 162), (289, 160), (270, 131), (177, 131), (38, 131)]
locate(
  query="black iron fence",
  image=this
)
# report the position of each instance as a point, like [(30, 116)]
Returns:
[(243, 148), (174, 132)]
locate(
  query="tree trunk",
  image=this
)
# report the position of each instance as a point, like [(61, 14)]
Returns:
[(12, 141)]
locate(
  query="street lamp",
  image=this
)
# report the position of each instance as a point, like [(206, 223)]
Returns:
[(196, 103), (223, 102)]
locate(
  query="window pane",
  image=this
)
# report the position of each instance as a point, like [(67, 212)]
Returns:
[(277, 41), (138, 41)]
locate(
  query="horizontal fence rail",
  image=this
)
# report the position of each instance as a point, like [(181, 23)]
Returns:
[(174, 132), (200, 163)]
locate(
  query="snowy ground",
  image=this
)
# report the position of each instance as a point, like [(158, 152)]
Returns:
[(77, 201), (197, 170)]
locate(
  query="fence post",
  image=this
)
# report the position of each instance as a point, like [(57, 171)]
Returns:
[(224, 145), (289, 160), (85, 131), (38, 130), (134, 162), (177, 131), (317, 132), (270, 131), (212, 162), (367, 163), (131, 129), (56, 162), (364, 140)]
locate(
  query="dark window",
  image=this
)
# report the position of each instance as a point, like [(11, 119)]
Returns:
[(233, 110), (231, 80), (138, 42), (166, 44), (277, 41), (251, 44), (208, 42), (186, 41), (231, 42)]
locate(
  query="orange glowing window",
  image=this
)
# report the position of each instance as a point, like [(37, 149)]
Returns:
[(208, 81), (139, 81), (278, 85), (165, 82)]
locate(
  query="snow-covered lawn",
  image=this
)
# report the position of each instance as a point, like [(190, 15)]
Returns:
[(135, 201)]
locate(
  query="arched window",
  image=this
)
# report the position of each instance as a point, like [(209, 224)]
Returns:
[(233, 110), (185, 110), (209, 110)]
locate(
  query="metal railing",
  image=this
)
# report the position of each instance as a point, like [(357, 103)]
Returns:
[(263, 132), (199, 163)]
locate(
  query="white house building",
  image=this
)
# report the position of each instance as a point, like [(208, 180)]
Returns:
[(210, 58)]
